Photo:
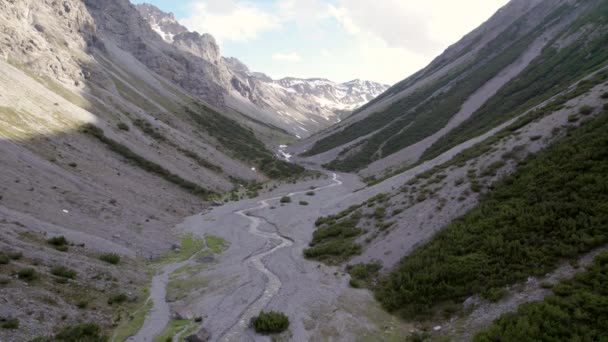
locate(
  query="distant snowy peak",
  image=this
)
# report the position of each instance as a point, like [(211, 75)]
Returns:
[(342, 96), (161, 22)]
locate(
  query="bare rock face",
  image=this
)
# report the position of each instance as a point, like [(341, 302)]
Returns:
[(203, 46), (162, 23)]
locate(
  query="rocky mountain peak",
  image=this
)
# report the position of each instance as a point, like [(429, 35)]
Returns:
[(163, 23), (203, 46)]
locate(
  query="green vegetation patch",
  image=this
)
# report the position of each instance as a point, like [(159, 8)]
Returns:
[(241, 142), (28, 274), (133, 323), (60, 243), (110, 258), (190, 245), (9, 323), (364, 275), (180, 287), (63, 272), (271, 322), (173, 328), (216, 243), (553, 207), (575, 311), (333, 240)]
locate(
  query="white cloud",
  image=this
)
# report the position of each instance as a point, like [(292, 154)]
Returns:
[(230, 20), (286, 57), (419, 26), (383, 40)]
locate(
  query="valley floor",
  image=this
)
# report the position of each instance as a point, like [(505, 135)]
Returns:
[(264, 268)]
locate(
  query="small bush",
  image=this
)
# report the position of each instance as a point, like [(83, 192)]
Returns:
[(117, 299), (88, 332), (285, 199), (271, 322), (585, 110), (303, 203), (535, 137), (60, 243), (57, 241), (605, 106), (27, 274), (572, 118), (4, 259), (123, 126), (110, 258), (494, 294), (15, 255), (364, 275), (546, 285), (379, 213), (9, 323), (605, 96), (73, 165), (310, 193), (63, 272), (475, 186)]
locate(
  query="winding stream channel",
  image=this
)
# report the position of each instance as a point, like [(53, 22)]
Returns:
[(158, 318), (274, 283)]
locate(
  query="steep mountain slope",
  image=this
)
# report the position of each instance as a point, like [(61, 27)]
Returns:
[(298, 105), (476, 83), (100, 144)]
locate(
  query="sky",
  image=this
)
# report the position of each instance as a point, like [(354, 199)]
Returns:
[(377, 40)]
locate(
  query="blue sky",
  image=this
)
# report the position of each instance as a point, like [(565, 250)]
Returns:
[(379, 40)]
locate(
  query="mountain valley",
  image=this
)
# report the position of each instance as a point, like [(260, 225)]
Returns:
[(155, 190)]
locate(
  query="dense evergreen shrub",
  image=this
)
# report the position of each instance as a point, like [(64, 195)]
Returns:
[(553, 207), (270, 322)]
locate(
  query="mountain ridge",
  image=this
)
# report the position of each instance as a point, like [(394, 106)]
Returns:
[(301, 105)]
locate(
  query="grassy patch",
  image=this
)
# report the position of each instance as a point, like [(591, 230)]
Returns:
[(180, 287), (133, 323), (60, 243), (63, 272), (576, 311), (216, 243), (28, 274), (9, 323), (110, 258), (173, 328), (190, 245), (552, 208), (285, 199)]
